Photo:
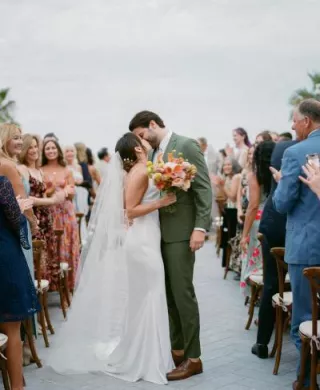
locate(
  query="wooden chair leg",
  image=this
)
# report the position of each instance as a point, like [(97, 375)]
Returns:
[(254, 294), (46, 312), (5, 379), (305, 350), (279, 340), (314, 363), (62, 303), (29, 333), (43, 322), (276, 335), (228, 256), (66, 287)]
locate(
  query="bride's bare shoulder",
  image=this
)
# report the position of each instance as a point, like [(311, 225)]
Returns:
[(138, 174)]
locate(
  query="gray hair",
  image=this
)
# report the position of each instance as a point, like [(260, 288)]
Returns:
[(311, 109)]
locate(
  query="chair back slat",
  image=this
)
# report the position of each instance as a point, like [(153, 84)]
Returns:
[(58, 233), (313, 275), (282, 268)]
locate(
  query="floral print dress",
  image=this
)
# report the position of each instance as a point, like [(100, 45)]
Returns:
[(252, 259), (50, 267)]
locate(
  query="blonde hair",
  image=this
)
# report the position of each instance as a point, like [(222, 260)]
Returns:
[(7, 132), (27, 141), (75, 152), (81, 152)]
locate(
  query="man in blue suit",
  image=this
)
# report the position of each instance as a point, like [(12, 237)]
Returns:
[(303, 214)]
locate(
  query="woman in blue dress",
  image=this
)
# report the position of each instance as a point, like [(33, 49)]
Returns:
[(18, 297)]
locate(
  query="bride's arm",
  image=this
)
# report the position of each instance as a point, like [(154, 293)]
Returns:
[(136, 187)]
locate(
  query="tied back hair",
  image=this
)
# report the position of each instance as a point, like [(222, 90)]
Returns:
[(261, 165), (126, 148)]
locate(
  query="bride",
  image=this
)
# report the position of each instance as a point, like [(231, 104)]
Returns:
[(118, 323)]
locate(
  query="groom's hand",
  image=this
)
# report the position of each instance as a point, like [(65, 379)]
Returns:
[(197, 240)]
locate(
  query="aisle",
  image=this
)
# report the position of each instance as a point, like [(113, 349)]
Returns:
[(228, 363)]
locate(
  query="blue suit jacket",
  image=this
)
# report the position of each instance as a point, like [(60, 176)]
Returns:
[(301, 205)]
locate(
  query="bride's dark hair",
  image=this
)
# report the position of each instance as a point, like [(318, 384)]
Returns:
[(126, 148)]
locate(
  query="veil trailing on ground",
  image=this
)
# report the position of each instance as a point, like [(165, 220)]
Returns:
[(96, 318)]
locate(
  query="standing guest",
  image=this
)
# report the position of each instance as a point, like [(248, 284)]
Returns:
[(263, 136), (11, 141), (50, 137), (294, 198), (94, 173), (81, 195), (59, 177), (87, 179), (104, 155), (259, 181), (18, 297), (273, 228), (42, 201), (312, 178), (285, 137), (242, 143), (228, 186), (275, 136)]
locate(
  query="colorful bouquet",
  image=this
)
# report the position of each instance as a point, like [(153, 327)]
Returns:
[(176, 174)]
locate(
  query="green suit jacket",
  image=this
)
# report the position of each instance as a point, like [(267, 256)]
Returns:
[(193, 208)]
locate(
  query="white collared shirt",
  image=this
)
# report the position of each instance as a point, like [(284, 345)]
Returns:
[(163, 145)]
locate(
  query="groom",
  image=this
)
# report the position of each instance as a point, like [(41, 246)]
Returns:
[(182, 234)]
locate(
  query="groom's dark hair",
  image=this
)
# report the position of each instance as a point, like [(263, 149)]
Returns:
[(143, 119)]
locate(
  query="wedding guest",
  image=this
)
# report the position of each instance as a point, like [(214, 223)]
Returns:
[(58, 176), (273, 228), (42, 200), (94, 173), (228, 185), (81, 195), (294, 198), (259, 181), (285, 137), (242, 205), (263, 136), (312, 178), (242, 143), (18, 297), (50, 137), (104, 155), (275, 136)]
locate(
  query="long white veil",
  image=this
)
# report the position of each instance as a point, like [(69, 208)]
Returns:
[(96, 319)]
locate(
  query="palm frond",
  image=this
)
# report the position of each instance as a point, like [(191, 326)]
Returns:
[(315, 78), (3, 94)]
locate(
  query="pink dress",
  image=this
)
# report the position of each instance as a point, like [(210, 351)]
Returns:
[(65, 218)]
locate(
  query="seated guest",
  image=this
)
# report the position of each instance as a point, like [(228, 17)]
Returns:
[(303, 212), (273, 228), (18, 297), (259, 181)]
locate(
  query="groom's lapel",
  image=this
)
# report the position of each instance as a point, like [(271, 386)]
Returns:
[(151, 154), (171, 146)]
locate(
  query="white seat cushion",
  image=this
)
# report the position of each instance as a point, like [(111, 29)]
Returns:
[(44, 284), (256, 278), (64, 266), (306, 328), (3, 339), (287, 299)]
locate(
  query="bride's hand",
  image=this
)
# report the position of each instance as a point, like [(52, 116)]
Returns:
[(168, 199)]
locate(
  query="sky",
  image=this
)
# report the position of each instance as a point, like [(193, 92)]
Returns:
[(82, 69)]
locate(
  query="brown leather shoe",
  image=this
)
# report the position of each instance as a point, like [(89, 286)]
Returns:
[(185, 370), (178, 359)]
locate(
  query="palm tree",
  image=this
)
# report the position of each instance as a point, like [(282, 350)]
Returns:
[(6, 106), (304, 93)]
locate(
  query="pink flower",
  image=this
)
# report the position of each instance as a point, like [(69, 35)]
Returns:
[(256, 252), (251, 263), (242, 284)]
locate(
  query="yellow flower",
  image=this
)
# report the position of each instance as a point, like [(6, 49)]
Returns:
[(149, 164), (157, 177)]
